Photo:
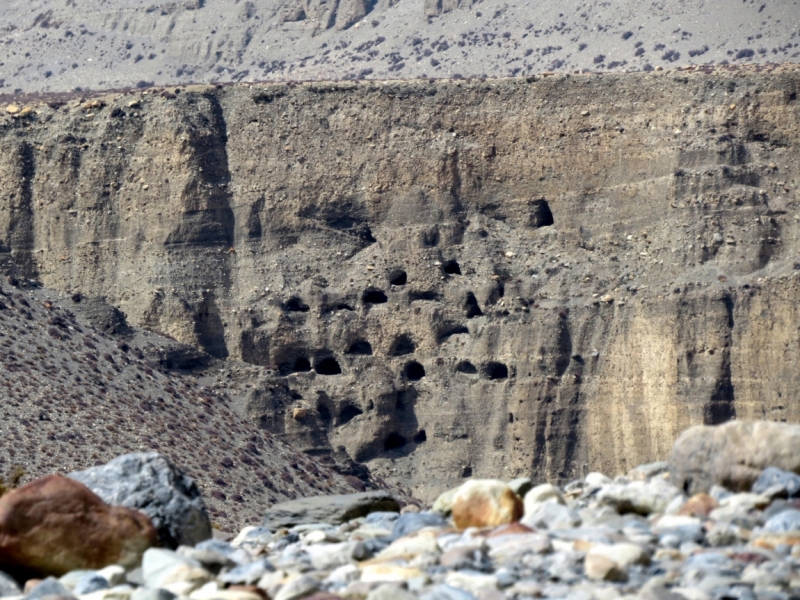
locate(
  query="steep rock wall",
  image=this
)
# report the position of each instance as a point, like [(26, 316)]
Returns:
[(546, 276)]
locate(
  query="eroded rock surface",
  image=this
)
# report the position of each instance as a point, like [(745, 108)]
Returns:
[(441, 279)]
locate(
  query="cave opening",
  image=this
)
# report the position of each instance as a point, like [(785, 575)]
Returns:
[(374, 296), (420, 437), (541, 215), (295, 304), (348, 413), (361, 347), (466, 367), (398, 277), (495, 371), (414, 371), (471, 306), (394, 441), (403, 345), (301, 365), (451, 267), (327, 366)]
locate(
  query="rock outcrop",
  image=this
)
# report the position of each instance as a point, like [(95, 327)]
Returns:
[(442, 279)]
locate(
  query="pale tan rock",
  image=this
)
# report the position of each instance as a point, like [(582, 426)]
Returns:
[(390, 572), (485, 503), (732, 454), (600, 568)]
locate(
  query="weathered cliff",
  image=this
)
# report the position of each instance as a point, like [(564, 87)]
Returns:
[(548, 275)]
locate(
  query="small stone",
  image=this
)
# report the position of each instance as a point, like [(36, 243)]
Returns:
[(162, 567), (784, 522), (699, 505), (601, 568), (113, 574), (550, 515), (389, 572), (89, 583), (421, 542), (390, 591), (143, 593), (771, 477), (48, 587), (542, 493), (303, 586), (485, 503), (299, 414), (335, 509), (446, 592), (608, 298), (13, 109), (623, 553), (596, 479), (521, 486), (246, 574), (470, 581), (642, 497), (411, 522)]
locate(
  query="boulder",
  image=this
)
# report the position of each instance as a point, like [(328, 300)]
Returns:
[(55, 525), (641, 497), (149, 482), (783, 483), (733, 454), (336, 509), (485, 503), (412, 522)]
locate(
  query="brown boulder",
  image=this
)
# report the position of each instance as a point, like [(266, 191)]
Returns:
[(55, 524), (732, 454), (485, 503)]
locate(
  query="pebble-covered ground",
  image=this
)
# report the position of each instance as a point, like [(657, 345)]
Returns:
[(597, 538), (72, 397)]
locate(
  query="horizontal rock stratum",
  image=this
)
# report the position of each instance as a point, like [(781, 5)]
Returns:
[(540, 276)]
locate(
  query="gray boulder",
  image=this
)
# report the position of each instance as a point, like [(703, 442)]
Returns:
[(328, 509), (733, 454), (149, 482)]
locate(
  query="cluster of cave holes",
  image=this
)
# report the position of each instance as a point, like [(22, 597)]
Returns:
[(323, 366), (493, 371)]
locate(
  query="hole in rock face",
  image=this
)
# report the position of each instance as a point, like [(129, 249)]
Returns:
[(428, 295), (327, 366), (348, 413), (324, 413), (301, 365), (451, 329), (451, 267), (295, 304), (466, 367), (394, 441), (471, 306), (414, 371), (420, 437), (466, 472), (510, 417), (373, 296), (495, 370), (541, 216), (398, 277), (403, 345), (343, 306), (362, 347)]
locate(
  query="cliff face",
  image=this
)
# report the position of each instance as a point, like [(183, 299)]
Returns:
[(551, 275)]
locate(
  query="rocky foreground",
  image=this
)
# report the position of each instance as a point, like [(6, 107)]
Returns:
[(638, 535)]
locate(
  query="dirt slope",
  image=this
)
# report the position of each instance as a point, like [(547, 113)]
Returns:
[(73, 396)]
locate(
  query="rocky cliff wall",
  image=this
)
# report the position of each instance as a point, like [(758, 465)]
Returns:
[(547, 275)]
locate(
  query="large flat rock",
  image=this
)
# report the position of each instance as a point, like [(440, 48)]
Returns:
[(328, 509)]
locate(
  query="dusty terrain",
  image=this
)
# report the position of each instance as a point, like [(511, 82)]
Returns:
[(537, 276), (53, 45), (79, 387)]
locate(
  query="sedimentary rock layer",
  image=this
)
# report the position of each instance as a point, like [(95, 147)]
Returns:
[(442, 279)]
